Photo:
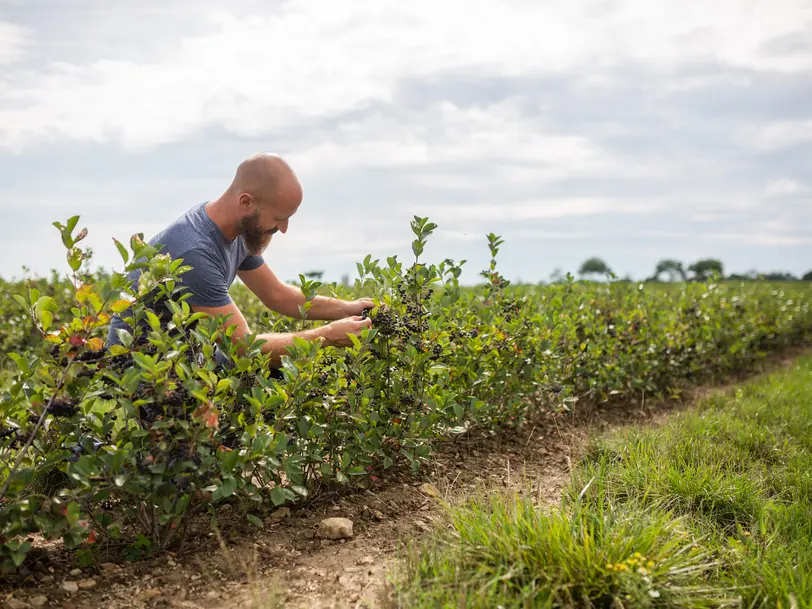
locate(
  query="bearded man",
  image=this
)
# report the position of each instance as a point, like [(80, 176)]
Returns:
[(225, 238)]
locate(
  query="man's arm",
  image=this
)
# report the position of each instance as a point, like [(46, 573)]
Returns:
[(285, 298), (334, 334)]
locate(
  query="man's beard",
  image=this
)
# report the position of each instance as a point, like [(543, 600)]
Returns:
[(256, 239)]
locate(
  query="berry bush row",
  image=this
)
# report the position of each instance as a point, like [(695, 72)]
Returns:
[(128, 446)]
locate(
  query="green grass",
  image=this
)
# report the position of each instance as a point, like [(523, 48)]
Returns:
[(712, 509)]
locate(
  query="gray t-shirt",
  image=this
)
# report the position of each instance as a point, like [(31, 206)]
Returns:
[(214, 260)]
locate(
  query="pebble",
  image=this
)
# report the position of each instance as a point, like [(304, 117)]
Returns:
[(87, 584), (366, 560), (109, 566), (71, 587), (14, 603), (428, 489), (421, 525), (335, 528), (280, 513), (151, 593), (76, 573), (378, 514), (39, 601)]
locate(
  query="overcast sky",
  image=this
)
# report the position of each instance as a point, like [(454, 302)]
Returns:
[(627, 129)]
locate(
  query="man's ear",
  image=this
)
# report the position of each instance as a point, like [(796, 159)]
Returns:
[(245, 200)]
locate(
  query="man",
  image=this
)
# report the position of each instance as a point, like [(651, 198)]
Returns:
[(225, 238)]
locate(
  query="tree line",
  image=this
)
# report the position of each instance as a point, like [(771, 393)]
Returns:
[(669, 269)]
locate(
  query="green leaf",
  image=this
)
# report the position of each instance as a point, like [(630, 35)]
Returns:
[(278, 495), (125, 255), (299, 490), (46, 319), (229, 486), (255, 521), (341, 477), (125, 337)]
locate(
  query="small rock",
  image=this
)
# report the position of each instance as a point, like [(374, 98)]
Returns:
[(87, 584), (76, 573), (366, 560), (47, 579), (280, 514), (378, 514), (109, 566), (428, 489), (212, 594), (336, 508), (71, 587), (151, 593), (421, 525), (15, 603), (39, 601), (335, 528)]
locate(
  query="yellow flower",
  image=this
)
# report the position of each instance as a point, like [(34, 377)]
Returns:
[(651, 564)]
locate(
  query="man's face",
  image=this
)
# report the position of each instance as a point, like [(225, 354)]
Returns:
[(256, 236), (259, 226)]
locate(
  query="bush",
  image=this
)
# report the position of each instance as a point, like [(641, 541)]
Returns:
[(130, 444)]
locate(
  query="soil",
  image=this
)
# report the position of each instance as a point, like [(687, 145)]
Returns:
[(286, 564)]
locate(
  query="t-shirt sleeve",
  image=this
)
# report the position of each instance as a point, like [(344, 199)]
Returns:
[(206, 280), (251, 262)]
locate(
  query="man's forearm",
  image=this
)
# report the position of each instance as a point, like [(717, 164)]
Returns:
[(277, 343), (322, 308)]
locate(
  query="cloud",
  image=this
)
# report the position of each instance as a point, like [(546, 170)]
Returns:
[(777, 135), (270, 67), (783, 187), (632, 130), (537, 210), (13, 42)]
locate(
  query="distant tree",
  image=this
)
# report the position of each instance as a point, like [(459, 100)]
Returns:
[(315, 275), (807, 277), (672, 267), (556, 276), (703, 269), (780, 277), (594, 266)]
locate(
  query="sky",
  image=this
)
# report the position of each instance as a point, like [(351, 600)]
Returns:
[(625, 129)]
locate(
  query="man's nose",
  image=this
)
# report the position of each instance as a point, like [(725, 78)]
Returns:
[(283, 226)]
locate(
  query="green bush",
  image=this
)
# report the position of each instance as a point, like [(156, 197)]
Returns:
[(130, 444)]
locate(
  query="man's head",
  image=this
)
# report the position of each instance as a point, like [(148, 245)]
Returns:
[(266, 193)]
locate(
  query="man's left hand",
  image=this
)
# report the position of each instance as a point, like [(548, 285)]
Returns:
[(356, 307)]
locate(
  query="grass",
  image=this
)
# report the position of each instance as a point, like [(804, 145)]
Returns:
[(712, 509)]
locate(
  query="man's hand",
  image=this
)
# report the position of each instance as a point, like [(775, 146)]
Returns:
[(356, 307), (337, 333)]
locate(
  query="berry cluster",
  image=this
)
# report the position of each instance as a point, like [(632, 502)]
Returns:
[(63, 408)]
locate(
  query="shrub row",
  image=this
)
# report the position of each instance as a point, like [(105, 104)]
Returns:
[(128, 445)]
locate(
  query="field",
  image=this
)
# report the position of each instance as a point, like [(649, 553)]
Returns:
[(125, 455), (711, 509)]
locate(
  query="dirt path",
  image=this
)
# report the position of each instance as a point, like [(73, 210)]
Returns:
[(286, 565)]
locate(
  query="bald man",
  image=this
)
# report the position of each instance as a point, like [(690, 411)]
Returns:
[(225, 238)]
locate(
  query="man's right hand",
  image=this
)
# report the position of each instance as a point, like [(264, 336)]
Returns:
[(337, 333)]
